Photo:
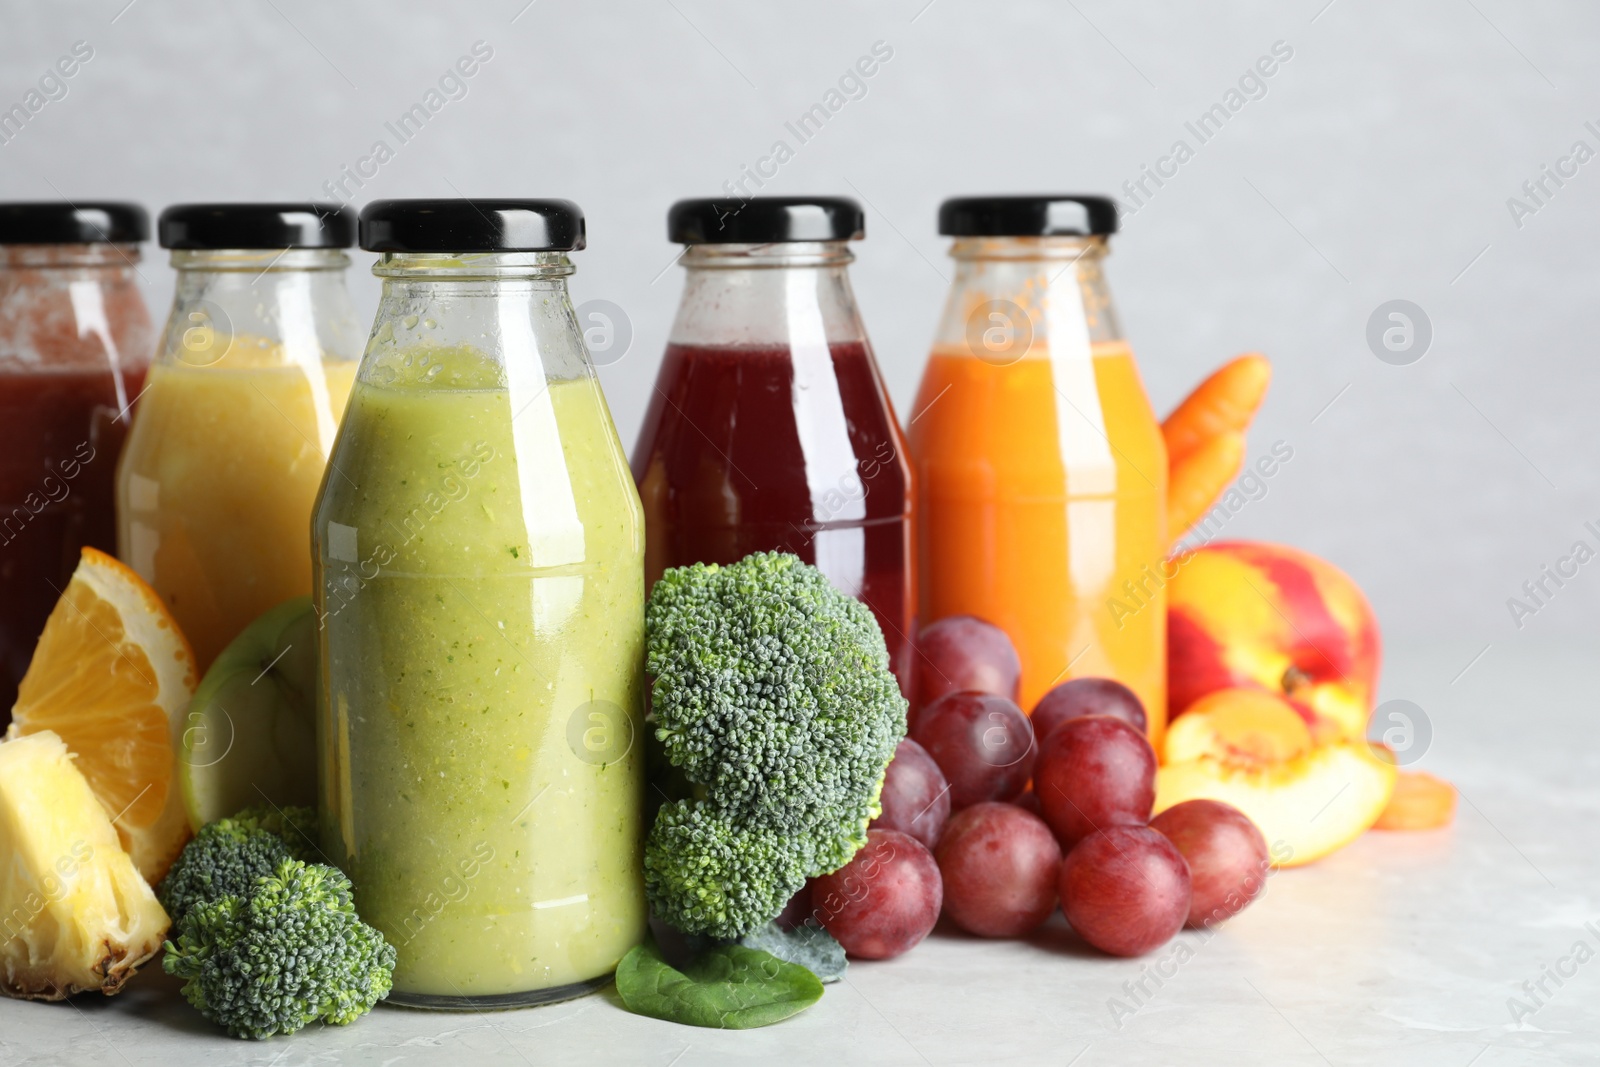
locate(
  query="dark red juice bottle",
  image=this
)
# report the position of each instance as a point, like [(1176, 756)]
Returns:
[(75, 341), (770, 428)]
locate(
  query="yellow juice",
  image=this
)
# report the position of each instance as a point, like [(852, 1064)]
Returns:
[(216, 484)]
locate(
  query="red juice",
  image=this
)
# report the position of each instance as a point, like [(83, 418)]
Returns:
[(75, 341), (57, 494), (767, 448)]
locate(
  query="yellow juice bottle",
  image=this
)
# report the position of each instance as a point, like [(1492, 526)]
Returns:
[(239, 414)]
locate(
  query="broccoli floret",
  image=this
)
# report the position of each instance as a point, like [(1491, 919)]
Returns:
[(714, 874), (290, 953), (227, 856), (773, 697)]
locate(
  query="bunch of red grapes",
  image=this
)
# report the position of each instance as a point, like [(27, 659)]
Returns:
[(963, 833)]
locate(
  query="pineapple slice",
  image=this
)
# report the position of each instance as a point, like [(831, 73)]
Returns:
[(74, 912)]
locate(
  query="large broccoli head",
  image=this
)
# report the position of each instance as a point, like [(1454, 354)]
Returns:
[(227, 856), (288, 954), (773, 697)]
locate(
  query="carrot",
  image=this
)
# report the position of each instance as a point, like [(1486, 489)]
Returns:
[(1420, 802), (1224, 402), (1196, 480)]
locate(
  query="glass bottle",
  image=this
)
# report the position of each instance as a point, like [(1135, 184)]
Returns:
[(75, 342), (770, 427), (480, 585), (214, 492), (1042, 474)]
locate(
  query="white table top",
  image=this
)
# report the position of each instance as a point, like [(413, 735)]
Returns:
[(1401, 949)]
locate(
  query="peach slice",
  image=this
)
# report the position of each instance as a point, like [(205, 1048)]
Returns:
[(1306, 807), (1243, 726), (1420, 802)]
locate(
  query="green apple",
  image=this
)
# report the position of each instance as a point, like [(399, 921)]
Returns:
[(250, 733)]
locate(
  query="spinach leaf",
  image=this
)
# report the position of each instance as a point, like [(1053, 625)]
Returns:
[(728, 987), (808, 944)]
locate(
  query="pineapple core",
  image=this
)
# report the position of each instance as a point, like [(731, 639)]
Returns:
[(74, 912)]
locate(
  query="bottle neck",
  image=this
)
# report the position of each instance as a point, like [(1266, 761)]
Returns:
[(255, 308), (478, 320), (1010, 294), (772, 295), (444, 267), (257, 261), (768, 256), (93, 288), (1028, 249), (120, 259)]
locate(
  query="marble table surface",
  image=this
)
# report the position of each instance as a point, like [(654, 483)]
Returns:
[(1403, 949)]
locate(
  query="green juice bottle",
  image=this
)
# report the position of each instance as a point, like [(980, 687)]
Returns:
[(480, 589)]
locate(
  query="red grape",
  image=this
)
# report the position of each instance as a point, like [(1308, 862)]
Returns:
[(1095, 772), (999, 865), (963, 652), (982, 743), (1226, 853), (916, 797), (797, 911), (1087, 696), (1125, 890), (883, 901)]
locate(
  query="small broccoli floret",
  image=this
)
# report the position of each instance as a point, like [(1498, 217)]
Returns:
[(773, 697), (227, 856), (289, 954), (714, 874)]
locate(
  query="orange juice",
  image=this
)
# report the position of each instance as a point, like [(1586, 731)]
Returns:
[(1043, 490)]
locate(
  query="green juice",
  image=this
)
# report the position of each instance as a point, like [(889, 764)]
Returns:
[(481, 598)]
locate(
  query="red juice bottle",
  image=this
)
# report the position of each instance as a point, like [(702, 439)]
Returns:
[(75, 342), (770, 428)]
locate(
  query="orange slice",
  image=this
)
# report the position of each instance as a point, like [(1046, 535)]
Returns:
[(112, 675)]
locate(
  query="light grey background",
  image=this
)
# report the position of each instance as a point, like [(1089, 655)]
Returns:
[(1377, 166)]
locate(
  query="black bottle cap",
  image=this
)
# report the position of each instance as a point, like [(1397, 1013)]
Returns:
[(472, 226), (765, 220), (212, 226), (56, 222), (1028, 216)]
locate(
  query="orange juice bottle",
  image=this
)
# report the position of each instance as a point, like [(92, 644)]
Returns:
[(1040, 468)]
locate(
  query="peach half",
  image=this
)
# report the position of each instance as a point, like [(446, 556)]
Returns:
[(1253, 750), (1241, 725), (1245, 614)]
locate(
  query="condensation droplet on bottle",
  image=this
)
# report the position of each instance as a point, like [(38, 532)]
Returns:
[(432, 324), (409, 322)]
